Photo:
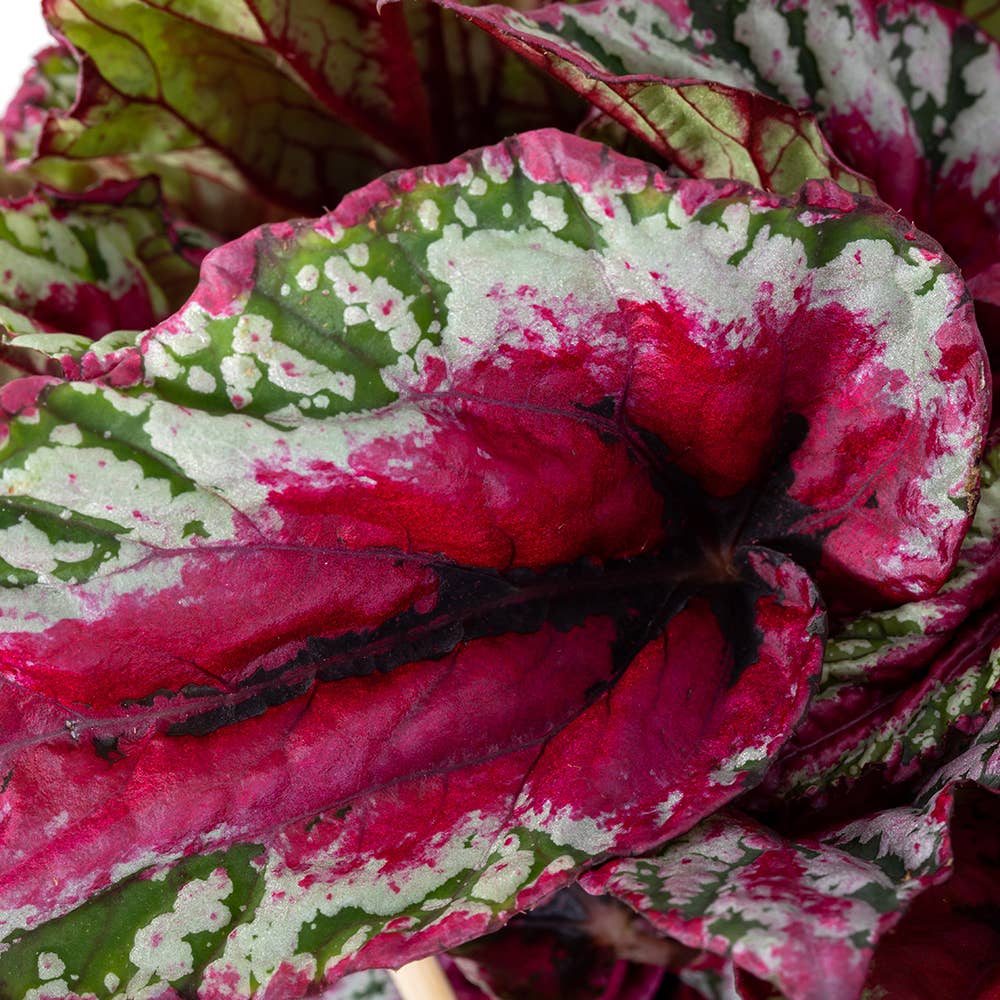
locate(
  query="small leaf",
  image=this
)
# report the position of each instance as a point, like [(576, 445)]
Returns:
[(87, 265), (954, 927), (143, 106), (49, 85), (899, 683), (807, 914)]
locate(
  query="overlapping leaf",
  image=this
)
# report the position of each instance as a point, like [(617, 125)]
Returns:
[(478, 90), (235, 108), (252, 111), (92, 264), (954, 927), (706, 127), (984, 13), (807, 915), (901, 683), (86, 265), (49, 86), (386, 469), (905, 93)]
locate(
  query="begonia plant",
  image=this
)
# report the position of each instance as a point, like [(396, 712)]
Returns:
[(507, 482)]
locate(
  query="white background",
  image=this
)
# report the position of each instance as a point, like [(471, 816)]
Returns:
[(22, 34)]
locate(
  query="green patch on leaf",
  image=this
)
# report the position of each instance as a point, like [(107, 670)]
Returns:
[(157, 926)]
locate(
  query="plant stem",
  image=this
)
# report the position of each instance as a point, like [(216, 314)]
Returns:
[(423, 980)]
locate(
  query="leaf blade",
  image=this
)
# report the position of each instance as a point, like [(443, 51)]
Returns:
[(473, 528)]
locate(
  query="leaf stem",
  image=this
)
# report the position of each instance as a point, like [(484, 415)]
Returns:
[(423, 980)]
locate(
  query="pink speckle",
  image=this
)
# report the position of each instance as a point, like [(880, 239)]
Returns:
[(21, 395), (826, 194), (127, 371), (692, 195), (435, 373)]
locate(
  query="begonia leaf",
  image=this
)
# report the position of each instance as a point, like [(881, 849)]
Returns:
[(899, 683), (800, 914), (866, 740), (893, 644), (439, 525), (808, 914), (953, 927), (45, 139), (905, 92), (706, 127), (477, 89), (77, 267), (251, 111), (48, 85), (190, 91)]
